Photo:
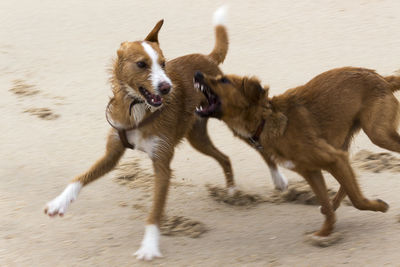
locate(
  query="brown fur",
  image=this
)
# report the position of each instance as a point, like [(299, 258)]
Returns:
[(311, 126), (176, 118)]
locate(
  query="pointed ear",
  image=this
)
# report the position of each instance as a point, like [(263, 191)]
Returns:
[(153, 35), (252, 89)]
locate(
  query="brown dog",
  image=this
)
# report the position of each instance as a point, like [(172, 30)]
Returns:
[(152, 110), (309, 128)]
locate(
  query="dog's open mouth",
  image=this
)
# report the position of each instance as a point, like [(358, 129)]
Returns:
[(152, 99), (214, 104)]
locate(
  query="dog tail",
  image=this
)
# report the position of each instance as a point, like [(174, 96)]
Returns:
[(394, 82), (221, 36)]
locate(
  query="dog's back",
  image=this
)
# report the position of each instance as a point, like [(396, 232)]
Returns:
[(341, 101)]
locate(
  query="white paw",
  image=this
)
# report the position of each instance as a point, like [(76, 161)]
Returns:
[(59, 205), (279, 179), (147, 253), (56, 206), (150, 247)]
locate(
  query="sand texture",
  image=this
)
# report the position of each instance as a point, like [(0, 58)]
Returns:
[(54, 69)]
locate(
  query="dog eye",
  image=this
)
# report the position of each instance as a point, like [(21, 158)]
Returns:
[(141, 64), (163, 64), (224, 80)]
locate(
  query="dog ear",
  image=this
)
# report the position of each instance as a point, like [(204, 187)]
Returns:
[(153, 35), (121, 48), (253, 90)]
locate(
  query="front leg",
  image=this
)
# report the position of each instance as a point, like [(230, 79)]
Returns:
[(114, 151), (149, 248), (279, 180)]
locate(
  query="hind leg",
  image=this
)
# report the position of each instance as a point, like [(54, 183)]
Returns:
[(341, 194), (380, 120), (199, 139), (317, 183), (338, 165)]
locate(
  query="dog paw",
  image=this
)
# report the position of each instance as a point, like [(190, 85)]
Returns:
[(59, 205), (384, 205), (150, 247), (323, 241), (147, 253)]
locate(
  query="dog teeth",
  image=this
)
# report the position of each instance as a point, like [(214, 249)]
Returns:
[(197, 86), (200, 108)]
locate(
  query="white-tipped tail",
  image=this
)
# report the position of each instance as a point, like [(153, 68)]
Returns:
[(219, 17)]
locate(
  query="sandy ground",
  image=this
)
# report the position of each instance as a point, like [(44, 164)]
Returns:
[(54, 57)]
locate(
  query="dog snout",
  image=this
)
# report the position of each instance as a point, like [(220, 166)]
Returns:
[(198, 76), (164, 87)]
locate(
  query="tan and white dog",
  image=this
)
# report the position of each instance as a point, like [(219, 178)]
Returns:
[(152, 109), (309, 128)]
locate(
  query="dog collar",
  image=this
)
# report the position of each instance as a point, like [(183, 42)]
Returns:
[(254, 140)]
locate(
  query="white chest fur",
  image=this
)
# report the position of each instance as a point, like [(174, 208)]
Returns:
[(147, 144)]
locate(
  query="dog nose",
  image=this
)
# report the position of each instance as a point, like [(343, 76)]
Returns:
[(198, 76), (164, 87)]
